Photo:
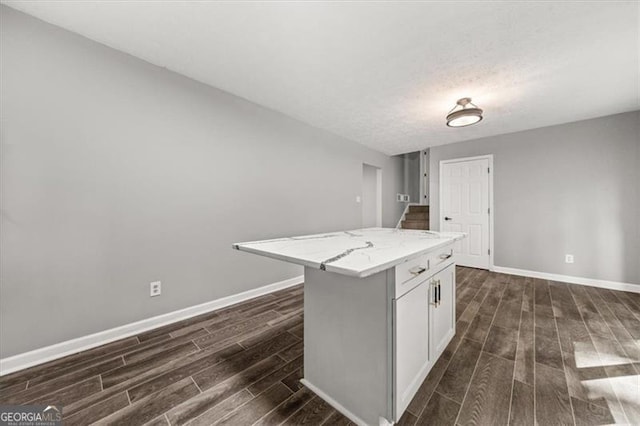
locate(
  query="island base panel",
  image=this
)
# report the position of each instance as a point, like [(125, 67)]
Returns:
[(347, 328)]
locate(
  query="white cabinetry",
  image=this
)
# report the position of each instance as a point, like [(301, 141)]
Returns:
[(370, 342), (424, 323), (442, 310), (411, 343)]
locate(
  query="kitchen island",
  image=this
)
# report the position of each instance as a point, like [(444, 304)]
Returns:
[(379, 309)]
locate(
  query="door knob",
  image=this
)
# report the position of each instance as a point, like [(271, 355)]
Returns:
[(448, 218)]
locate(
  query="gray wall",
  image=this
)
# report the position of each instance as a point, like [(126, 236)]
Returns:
[(567, 189), (116, 173)]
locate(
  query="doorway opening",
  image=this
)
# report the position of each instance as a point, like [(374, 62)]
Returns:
[(371, 196)]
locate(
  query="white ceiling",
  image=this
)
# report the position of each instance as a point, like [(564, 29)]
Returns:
[(385, 74)]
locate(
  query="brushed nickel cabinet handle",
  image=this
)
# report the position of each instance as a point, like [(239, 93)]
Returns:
[(435, 294), (417, 270)]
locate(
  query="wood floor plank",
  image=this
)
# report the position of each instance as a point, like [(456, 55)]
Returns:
[(488, 398), (583, 381), (277, 375), (470, 312), (461, 329), (158, 421), (626, 317), (553, 406), (153, 405), (626, 383), (527, 296), (173, 327), (541, 293), (587, 413), (479, 327), (98, 411), (292, 381), (439, 411), (502, 342), (210, 398), (525, 352), (235, 331), (456, 378), (297, 331), (522, 411), (407, 419), (287, 408), (115, 376), (7, 391), (221, 410), (69, 394), (48, 387), (292, 352), (201, 361), (420, 399), (547, 349), (257, 407), (135, 381), (315, 412), (338, 419), (514, 291), (269, 332), (215, 374), (139, 355), (62, 366)]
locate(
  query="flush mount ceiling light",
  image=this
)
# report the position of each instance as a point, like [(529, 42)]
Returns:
[(464, 114)]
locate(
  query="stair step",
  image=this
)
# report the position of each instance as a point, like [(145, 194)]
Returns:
[(415, 224), (417, 216), (418, 209)]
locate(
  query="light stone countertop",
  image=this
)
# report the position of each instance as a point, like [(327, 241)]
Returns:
[(357, 253)]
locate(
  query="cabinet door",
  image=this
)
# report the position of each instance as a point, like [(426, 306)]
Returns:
[(443, 313), (411, 345)]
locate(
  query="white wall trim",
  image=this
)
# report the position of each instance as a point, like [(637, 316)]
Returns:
[(611, 285), (69, 347)]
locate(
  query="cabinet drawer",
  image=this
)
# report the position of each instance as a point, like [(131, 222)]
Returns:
[(411, 273), (441, 256)]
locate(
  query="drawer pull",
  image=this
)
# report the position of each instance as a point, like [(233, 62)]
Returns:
[(417, 270), (446, 256)]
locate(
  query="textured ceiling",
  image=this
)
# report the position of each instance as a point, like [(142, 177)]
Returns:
[(385, 74)]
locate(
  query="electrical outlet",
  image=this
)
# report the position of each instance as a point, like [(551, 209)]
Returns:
[(155, 288), (568, 258), (406, 198), (399, 197)]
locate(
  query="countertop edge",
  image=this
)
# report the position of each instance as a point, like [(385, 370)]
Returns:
[(344, 271)]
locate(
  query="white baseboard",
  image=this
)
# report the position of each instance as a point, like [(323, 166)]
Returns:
[(69, 347), (332, 402), (611, 285)]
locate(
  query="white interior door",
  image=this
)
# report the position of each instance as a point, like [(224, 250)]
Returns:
[(464, 207)]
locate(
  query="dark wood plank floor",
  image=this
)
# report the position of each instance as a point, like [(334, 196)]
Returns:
[(526, 351)]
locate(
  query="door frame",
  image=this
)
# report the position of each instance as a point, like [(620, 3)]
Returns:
[(491, 209)]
